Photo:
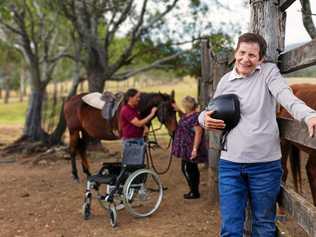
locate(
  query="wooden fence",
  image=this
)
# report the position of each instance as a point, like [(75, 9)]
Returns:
[(267, 18)]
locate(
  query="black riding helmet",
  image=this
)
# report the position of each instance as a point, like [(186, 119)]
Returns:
[(227, 108)]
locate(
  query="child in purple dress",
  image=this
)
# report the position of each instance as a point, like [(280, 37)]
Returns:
[(189, 145)]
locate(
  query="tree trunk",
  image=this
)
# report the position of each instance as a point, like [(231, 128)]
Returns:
[(22, 85), (33, 129), (6, 95), (6, 86), (96, 79)]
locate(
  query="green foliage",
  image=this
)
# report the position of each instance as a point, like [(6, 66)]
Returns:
[(10, 64), (190, 62)]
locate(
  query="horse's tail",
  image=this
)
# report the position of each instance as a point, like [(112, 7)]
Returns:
[(296, 167)]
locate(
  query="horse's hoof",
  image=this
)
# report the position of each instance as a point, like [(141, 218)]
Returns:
[(76, 179)]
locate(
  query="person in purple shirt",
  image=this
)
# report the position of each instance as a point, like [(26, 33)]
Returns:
[(131, 125), (189, 145)]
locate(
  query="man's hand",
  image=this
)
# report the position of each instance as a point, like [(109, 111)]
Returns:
[(311, 124), (211, 123), (153, 110)]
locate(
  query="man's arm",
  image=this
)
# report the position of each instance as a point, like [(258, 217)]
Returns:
[(284, 95), (142, 122)]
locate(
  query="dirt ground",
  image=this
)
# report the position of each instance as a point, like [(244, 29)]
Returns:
[(42, 200)]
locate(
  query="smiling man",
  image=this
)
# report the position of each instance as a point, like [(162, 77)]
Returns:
[(250, 166)]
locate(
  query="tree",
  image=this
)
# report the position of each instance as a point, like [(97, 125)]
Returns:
[(10, 62), (111, 31), (33, 29)]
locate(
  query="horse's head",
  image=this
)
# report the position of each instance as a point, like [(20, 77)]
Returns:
[(165, 113)]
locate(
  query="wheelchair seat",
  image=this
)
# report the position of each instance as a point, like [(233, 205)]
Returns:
[(110, 172)]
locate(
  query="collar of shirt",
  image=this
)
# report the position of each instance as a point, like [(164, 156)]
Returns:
[(234, 75)]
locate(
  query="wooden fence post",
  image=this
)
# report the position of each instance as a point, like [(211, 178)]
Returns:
[(204, 84), (213, 68)]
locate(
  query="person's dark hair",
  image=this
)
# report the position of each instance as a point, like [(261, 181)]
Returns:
[(254, 38), (129, 93)]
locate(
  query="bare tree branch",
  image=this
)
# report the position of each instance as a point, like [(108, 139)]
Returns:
[(125, 75), (157, 19), (134, 35), (111, 30), (11, 28), (156, 48)]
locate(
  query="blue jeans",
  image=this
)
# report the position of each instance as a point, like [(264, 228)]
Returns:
[(260, 182), (139, 141)]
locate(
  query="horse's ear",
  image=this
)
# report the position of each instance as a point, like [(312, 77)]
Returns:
[(172, 94)]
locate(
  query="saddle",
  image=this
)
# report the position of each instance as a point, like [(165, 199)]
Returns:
[(107, 102)]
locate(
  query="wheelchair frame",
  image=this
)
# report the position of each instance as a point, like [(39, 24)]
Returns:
[(128, 183)]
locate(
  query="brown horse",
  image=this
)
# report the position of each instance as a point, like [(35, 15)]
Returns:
[(84, 121), (307, 93)]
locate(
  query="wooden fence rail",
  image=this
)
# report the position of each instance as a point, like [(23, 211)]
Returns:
[(302, 211)]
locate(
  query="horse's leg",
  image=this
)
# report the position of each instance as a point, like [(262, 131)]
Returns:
[(285, 146), (74, 140), (296, 168), (83, 154), (311, 174)]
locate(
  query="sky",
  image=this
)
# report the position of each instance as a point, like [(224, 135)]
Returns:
[(295, 31)]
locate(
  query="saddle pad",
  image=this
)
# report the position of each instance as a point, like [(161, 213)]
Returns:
[(94, 99)]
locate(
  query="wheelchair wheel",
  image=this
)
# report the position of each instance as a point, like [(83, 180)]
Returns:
[(112, 215), (86, 211), (142, 193)]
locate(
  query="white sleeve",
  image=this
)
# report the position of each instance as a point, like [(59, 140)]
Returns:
[(284, 95)]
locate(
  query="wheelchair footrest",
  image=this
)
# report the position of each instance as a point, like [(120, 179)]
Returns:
[(101, 179)]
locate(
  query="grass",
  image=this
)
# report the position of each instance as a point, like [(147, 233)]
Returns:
[(13, 113)]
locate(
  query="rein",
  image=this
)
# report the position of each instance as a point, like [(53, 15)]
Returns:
[(149, 156), (155, 141), (153, 145)]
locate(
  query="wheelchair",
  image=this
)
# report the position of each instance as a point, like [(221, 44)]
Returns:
[(128, 183)]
